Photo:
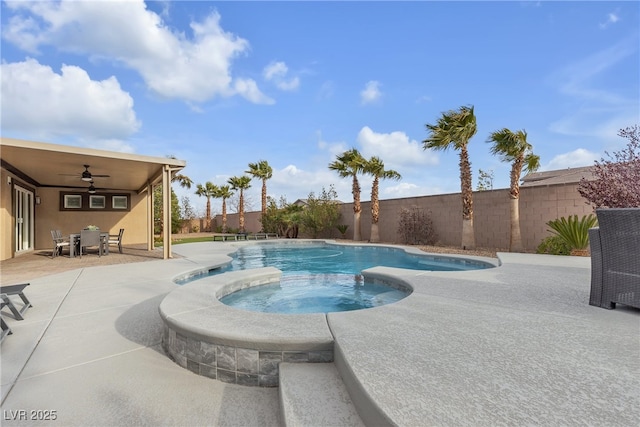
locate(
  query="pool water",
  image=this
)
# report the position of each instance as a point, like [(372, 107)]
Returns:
[(322, 278), (301, 258), (314, 293)]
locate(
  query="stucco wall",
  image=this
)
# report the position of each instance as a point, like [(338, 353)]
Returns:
[(6, 217), (49, 217), (538, 205)]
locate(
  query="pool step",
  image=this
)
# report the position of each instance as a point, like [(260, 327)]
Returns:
[(313, 394)]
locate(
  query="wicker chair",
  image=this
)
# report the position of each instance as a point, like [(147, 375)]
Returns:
[(615, 258)]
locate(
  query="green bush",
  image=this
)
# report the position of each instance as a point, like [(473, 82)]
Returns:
[(553, 245), (342, 228), (573, 231), (321, 213)]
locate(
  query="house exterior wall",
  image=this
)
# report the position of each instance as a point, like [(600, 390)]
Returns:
[(6, 216), (538, 205), (48, 216)]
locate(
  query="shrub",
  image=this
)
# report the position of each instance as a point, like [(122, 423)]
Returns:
[(415, 227), (553, 245), (321, 213), (617, 180), (573, 231), (342, 228)]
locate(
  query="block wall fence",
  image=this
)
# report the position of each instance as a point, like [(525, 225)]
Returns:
[(538, 205)]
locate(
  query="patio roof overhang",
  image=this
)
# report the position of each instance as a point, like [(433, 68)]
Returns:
[(51, 165), (60, 166)]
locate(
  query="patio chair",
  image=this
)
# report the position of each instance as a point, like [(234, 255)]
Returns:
[(90, 239), (615, 255), (7, 291), (116, 239), (6, 330), (58, 243)]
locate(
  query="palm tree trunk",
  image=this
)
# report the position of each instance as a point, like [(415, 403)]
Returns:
[(241, 212), (468, 234), (224, 215), (375, 212), (208, 213), (357, 209), (515, 241), (264, 196), (375, 233)]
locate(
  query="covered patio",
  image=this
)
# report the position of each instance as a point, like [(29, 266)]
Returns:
[(49, 187)]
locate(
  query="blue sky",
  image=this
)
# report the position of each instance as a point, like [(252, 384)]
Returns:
[(222, 84)]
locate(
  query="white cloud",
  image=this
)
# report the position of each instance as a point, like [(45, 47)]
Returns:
[(194, 67), (326, 91), (599, 110), (35, 97), (277, 72), (406, 189), (371, 93), (294, 182), (333, 148), (395, 149), (577, 79), (612, 18), (110, 145), (573, 159), (249, 90)]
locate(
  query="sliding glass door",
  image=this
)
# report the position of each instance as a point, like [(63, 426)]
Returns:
[(24, 203)]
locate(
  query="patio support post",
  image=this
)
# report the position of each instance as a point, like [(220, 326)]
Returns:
[(150, 218), (166, 211)]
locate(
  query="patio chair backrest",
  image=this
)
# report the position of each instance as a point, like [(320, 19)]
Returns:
[(89, 238), (56, 235)]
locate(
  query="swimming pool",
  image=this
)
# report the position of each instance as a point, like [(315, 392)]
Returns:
[(321, 257), (244, 347), (318, 277)]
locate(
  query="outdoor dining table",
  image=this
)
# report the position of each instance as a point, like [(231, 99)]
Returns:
[(74, 238)]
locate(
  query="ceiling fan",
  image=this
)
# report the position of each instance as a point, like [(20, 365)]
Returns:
[(86, 175)]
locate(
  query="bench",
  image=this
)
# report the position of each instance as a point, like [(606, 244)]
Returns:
[(259, 236), (6, 292), (223, 237)]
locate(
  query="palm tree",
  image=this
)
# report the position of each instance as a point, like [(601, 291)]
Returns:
[(240, 183), (350, 164), (183, 180), (513, 147), (375, 167), (454, 129), (207, 190), (263, 171), (224, 192)]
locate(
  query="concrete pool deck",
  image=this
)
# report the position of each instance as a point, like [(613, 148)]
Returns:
[(513, 345)]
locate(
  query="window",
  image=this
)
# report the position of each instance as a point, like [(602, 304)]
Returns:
[(119, 202), (105, 202), (96, 202), (72, 201)]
